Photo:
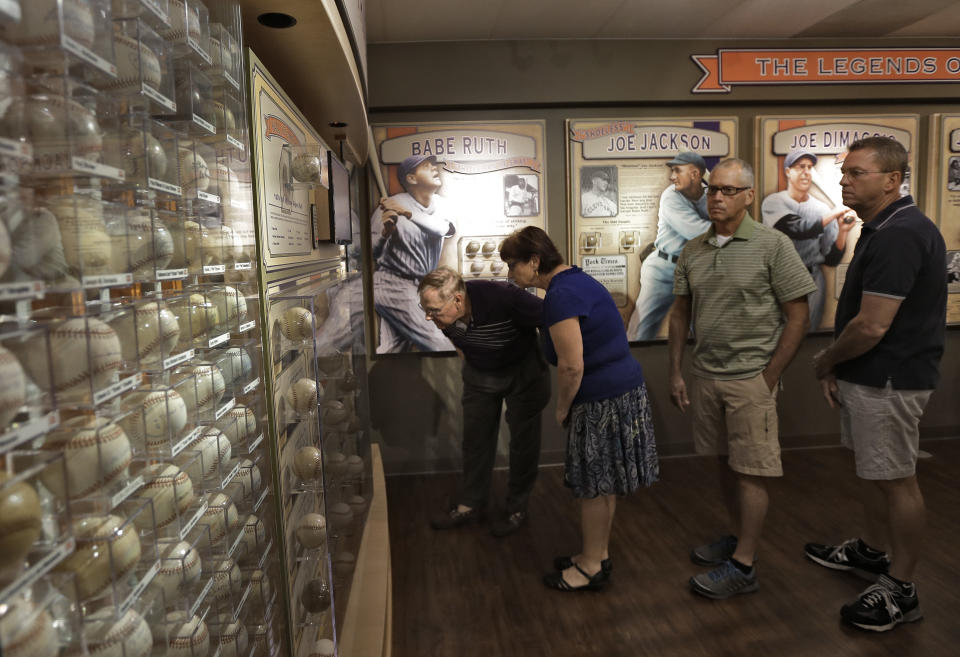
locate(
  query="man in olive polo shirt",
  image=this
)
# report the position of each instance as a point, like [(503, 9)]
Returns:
[(746, 289)]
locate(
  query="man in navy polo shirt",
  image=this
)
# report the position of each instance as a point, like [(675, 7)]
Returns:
[(881, 369), (493, 325)]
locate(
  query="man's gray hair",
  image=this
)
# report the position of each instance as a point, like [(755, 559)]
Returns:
[(444, 279), (746, 170)]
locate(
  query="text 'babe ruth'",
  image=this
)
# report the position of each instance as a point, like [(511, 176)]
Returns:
[(409, 230)]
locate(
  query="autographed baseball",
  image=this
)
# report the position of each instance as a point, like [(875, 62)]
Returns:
[(106, 552), (308, 463), (311, 530), (236, 364), (197, 312), (226, 579), (150, 335), (254, 536), (259, 588), (136, 63), (184, 21), (171, 491), (141, 153), (96, 454), (13, 391), (186, 245), (109, 636), (141, 244), (85, 355), (302, 395), (194, 173), (40, 23), (224, 118), (20, 517), (249, 476), (219, 245), (26, 631), (218, 520), (231, 305), (205, 388), (234, 641), (214, 449), (87, 246), (180, 566), (60, 128), (187, 636), (157, 419), (239, 424), (315, 596), (297, 324), (307, 167)]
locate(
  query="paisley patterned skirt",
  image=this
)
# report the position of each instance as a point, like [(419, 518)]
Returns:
[(611, 449)]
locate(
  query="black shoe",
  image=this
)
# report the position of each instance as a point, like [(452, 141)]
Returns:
[(850, 556), (562, 563), (715, 553), (883, 606), (555, 580), (508, 523), (453, 518)]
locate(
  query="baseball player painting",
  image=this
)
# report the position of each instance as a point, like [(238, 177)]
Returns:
[(409, 231)]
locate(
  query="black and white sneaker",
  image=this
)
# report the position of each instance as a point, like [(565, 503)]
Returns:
[(853, 556), (883, 606)]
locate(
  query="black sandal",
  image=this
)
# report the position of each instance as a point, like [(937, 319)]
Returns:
[(562, 563), (594, 582)]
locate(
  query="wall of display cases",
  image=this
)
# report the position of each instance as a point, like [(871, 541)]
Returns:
[(137, 506)]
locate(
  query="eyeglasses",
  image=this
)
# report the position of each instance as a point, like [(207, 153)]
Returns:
[(854, 174), (726, 190), (433, 312)]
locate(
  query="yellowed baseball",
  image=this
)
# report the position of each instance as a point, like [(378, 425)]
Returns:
[(204, 389), (106, 552), (234, 641), (156, 419), (171, 491), (87, 246), (308, 463), (20, 521), (297, 324), (186, 636), (27, 631), (220, 518), (141, 244), (12, 387), (180, 566), (148, 335), (213, 448), (96, 454), (231, 304), (109, 636), (311, 530), (136, 62), (194, 172), (239, 424)]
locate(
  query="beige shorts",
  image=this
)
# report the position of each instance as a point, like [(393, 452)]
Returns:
[(737, 418), (882, 427)]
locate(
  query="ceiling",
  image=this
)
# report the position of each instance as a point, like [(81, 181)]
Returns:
[(396, 21)]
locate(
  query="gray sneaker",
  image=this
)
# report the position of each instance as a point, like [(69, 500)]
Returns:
[(724, 581), (714, 554)]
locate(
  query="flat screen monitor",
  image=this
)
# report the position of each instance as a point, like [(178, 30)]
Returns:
[(340, 226)]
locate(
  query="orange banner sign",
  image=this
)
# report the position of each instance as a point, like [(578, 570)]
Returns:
[(731, 67)]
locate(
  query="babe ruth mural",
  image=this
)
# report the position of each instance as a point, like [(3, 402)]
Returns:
[(455, 190), (799, 185), (637, 197)]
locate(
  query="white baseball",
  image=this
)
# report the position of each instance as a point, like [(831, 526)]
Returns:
[(180, 566), (219, 519), (147, 335), (197, 312), (204, 389), (219, 244), (26, 631), (59, 129), (311, 530), (85, 354), (109, 636), (234, 641), (141, 244), (231, 305), (194, 173), (40, 24), (186, 636), (186, 245), (226, 579), (157, 418), (171, 491), (140, 153), (136, 63), (308, 463), (106, 552), (341, 515), (260, 588), (184, 21), (213, 448), (302, 395), (231, 193), (87, 247), (236, 363), (96, 454), (253, 536), (249, 476), (239, 424), (322, 648), (297, 324), (13, 389), (307, 167)]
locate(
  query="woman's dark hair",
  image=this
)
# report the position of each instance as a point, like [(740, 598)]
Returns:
[(531, 241)]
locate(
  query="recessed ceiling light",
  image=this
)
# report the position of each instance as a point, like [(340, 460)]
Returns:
[(276, 20), (337, 124)]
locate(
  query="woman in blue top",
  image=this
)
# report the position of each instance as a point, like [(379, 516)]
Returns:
[(602, 399)]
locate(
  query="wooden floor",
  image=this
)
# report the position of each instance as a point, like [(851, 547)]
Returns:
[(464, 593)]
